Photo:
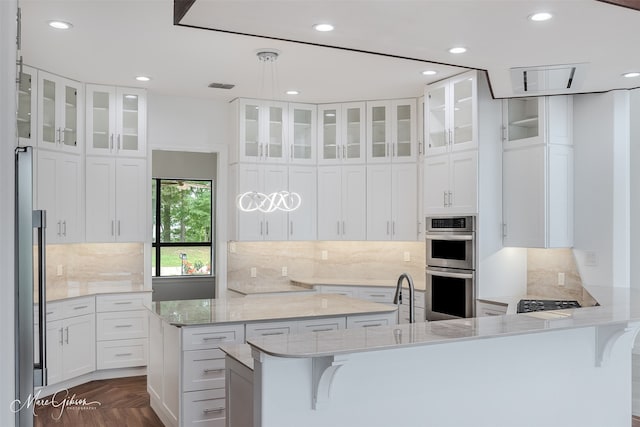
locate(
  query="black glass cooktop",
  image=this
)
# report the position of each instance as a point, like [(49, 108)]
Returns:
[(529, 305)]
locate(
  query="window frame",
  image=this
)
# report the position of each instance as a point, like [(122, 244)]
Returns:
[(157, 245)]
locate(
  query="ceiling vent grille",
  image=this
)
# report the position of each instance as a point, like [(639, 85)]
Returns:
[(221, 85), (546, 80)]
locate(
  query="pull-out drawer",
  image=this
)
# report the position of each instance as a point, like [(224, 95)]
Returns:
[(373, 320), (381, 295), (349, 291), (264, 329), (202, 370), (203, 338), (320, 325), (121, 302), (202, 408), (123, 325), (121, 353)]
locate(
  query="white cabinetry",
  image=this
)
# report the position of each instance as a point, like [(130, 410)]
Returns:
[(538, 173), (261, 131), (489, 308), (122, 331), (71, 339), (27, 107), (302, 134), (450, 183), (116, 121), (60, 113), (59, 192), (391, 131), (116, 190), (342, 202), (391, 202), (341, 133), (302, 221)]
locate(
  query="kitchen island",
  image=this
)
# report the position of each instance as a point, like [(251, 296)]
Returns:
[(560, 368), (185, 374)]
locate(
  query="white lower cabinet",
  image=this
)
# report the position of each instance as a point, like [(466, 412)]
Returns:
[(322, 325), (207, 407), (372, 320), (71, 348), (122, 330), (204, 369), (265, 329), (488, 308)]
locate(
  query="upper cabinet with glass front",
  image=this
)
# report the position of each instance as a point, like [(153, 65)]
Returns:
[(116, 121), (60, 113), (262, 127), (391, 131), (451, 115), (341, 133), (302, 134), (27, 107)]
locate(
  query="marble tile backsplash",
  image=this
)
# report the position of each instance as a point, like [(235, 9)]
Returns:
[(344, 259), (94, 264)]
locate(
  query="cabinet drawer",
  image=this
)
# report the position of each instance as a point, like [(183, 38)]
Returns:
[(55, 311), (78, 307), (204, 408), (382, 295), (122, 325), (265, 329), (121, 302), (371, 321), (203, 370), (319, 325), (418, 299), (194, 338), (488, 309), (404, 314), (349, 291), (121, 353)]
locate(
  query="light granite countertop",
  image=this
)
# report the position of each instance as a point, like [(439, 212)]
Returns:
[(261, 308), (389, 283), (239, 352), (247, 288), (620, 306), (83, 289)]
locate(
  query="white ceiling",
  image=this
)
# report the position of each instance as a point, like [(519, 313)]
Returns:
[(112, 41)]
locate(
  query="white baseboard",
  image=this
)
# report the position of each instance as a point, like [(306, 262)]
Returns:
[(104, 374)]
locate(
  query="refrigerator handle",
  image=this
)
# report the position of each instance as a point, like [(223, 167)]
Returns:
[(40, 223)]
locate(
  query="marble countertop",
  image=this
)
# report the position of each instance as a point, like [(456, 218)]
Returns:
[(619, 306), (239, 352), (83, 289), (257, 288), (389, 283), (262, 307)]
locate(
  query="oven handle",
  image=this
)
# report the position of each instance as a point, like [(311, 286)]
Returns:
[(449, 237), (449, 274)]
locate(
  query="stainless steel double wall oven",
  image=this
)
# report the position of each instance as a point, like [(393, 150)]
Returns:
[(450, 270)]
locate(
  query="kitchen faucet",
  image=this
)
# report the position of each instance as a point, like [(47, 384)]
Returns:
[(397, 299)]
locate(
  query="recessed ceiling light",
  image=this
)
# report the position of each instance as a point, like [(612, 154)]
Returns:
[(429, 72), (323, 27), (540, 16), (458, 49), (292, 92), (143, 78), (632, 74), (60, 25), (131, 96)]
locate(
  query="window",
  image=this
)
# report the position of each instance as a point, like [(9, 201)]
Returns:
[(182, 235)]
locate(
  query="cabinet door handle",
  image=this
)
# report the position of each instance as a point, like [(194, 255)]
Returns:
[(213, 338), (372, 325), (267, 227), (118, 227), (291, 227), (124, 354), (111, 143), (338, 225), (112, 227), (450, 203), (267, 334), (395, 149), (343, 228), (504, 230), (387, 227), (322, 330), (261, 226), (444, 199), (59, 228), (212, 410), (66, 330), (61, 338), (344, 152), (451, 137), (209, 371), (56, 139), (63, 135), (80, 307), (64, 228), (123, 326), (122, 303), (291, 151), (118, 147), (393, 228)]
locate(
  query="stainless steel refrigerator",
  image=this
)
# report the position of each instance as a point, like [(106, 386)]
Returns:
[(30, 289)]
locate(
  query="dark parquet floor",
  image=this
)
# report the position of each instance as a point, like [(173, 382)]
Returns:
[(635, 422), (124, 402)]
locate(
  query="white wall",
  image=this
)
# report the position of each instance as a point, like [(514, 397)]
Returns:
[(635, 188), (7, 146), (197, 125), (601, 148)]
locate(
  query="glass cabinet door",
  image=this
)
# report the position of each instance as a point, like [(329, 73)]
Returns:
[(329, 133), (100, 118), (404, 133), (353, 148), (523, 119), (27, 105), (49, 135), (251, 131), (437, 119), (275, 126), (69, 132), (378, 132), (302, 132), (462, 104), (129, 136)]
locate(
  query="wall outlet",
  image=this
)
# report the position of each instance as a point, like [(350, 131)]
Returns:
[(407, 256), (324, 255), (254, 272), (591, 259), (285, 272), (59, 270), (560, 279), (232, 247)]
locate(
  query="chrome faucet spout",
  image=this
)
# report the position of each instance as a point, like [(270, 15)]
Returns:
[(397, 299)]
